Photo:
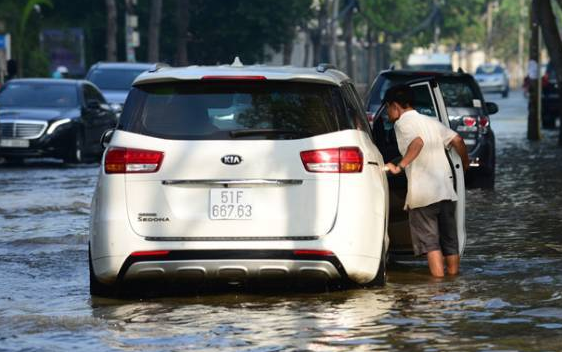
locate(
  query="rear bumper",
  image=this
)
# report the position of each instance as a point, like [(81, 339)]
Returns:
[(482, 157), (491, 88), (206, 266)]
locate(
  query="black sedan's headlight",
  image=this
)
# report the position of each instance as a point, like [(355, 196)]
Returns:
[(57, 124)]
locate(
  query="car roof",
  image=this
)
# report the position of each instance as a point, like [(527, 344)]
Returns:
[(274, 73), (59, 81), (415, 73), (124, 65)]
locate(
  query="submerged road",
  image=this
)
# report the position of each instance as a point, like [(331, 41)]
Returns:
[(508, 296)]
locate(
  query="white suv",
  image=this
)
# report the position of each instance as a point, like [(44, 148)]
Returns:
[(240, 173)]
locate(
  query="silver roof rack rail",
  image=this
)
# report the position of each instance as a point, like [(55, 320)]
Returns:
[(325, 67), (158, 66)]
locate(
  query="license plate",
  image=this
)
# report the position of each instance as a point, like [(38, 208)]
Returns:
[(231, 204), (469, 141), (14, 143), (466, 128)]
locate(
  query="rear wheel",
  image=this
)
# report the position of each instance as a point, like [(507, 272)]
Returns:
[(505, 93), (98, 288), (548, 121), (13, 160)]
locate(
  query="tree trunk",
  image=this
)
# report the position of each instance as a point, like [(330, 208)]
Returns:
[(348, 35), (154, 31), (370, 56), (111, 39), (553, 44), (333, 38), (182, 18), (287, 52), (306, 48), (533, 131)]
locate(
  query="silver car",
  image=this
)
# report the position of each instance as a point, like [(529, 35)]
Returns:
[(492, 79)]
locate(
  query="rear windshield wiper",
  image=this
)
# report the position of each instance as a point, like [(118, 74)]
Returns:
[(267, 132)]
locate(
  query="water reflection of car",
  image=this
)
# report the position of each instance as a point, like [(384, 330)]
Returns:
[(550, 98), (114, 79), (240, 174), (58, 118), (492, 79), (468, 114)]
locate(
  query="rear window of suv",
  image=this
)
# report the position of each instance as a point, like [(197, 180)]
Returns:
[(199, 110)]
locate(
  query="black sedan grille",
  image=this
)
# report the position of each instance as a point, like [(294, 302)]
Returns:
[(22, 129)]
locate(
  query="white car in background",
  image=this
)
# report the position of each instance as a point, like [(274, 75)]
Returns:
[(239, 174), (492, 79)]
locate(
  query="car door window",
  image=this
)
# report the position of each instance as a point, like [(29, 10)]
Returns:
[(423, 100), (354, 109), (91, 94)]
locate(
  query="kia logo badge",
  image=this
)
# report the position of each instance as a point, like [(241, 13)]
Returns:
[(231, 159)]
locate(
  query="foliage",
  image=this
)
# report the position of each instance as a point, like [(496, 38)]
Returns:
[(224, 29)]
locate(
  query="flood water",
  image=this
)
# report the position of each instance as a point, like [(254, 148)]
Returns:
[(507, 298)]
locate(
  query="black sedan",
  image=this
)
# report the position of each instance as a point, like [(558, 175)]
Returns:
[(58, 118)]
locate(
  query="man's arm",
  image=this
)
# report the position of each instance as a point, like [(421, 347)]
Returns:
[(458, 144), (412, 153)]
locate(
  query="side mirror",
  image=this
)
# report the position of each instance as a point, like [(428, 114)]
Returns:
[(93, 105), (106, 138), (492, 108)]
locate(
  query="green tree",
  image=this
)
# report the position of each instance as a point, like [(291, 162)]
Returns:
[(224, 29)]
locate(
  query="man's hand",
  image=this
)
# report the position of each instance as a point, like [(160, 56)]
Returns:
[(395, 170)]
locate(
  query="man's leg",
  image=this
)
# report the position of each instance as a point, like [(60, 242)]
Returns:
[(453, 263), (448, 237), (435, 263)]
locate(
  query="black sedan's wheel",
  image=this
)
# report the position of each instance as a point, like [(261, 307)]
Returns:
[(75, 154)]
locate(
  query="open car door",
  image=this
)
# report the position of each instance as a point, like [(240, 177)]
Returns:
[(428, 101)]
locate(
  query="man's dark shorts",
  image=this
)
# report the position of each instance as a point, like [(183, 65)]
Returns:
[(434, 227)]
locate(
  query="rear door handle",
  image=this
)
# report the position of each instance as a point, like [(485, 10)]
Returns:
[(372, 163)]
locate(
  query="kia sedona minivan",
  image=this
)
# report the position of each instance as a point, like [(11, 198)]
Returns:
[(239, 174)]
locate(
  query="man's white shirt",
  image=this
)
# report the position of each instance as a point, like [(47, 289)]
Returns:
[(430, 177)]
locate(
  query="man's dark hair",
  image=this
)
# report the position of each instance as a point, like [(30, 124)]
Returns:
[(401, 94)]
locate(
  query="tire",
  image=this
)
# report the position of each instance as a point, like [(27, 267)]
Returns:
[(548, 122), (505, 93), (76, 152), (98, 288), (13, 160), (380, 278)]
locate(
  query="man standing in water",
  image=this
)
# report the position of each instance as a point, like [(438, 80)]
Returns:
[(431, 194)]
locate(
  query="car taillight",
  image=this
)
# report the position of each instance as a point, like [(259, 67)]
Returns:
[(304, 252), (334, 160), (150, 254), (469, 121), (545, 80), (483, 123), (127, 161)]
